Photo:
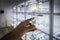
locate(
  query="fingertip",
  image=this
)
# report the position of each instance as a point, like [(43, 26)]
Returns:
[(33, 29), (31, 19)]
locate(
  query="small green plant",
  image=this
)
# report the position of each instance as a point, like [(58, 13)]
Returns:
[(40, 11), (33, 22)]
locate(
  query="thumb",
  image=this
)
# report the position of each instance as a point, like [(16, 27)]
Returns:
[(30, 28)]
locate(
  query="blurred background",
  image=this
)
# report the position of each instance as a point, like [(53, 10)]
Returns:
[(46, 13)]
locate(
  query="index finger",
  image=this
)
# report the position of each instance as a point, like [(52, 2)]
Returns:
[(28, 20)]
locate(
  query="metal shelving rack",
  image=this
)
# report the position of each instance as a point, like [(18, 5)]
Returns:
[(51, 14)]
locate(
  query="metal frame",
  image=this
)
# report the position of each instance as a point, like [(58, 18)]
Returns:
[(51, 14), (51, 19)]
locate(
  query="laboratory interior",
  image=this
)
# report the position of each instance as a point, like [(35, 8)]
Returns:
[(46, 15)]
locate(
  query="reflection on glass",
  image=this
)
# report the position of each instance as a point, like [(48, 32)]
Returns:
[(33, 6), (14, 9), (40, 6), (36, 35), (56, 6), (57, 26), (20, 16), (18, 9), (14, 16), (18, 19), (28, 16), (42, 23)]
